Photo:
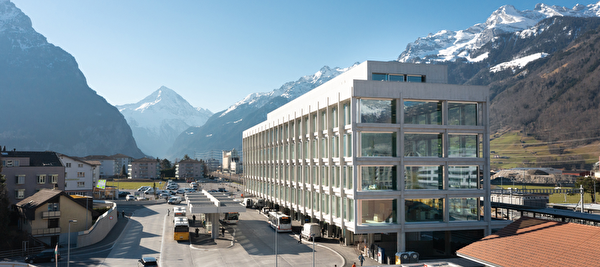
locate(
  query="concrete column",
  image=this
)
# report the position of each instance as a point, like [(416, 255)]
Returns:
[(214, 218)]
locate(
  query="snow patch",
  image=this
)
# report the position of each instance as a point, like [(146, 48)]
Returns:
[(208, 135), (517, 63)]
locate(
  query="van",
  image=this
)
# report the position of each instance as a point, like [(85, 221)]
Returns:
[(310, 229)]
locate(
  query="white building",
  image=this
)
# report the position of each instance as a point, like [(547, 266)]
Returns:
[(80, 176), (122, 164), (387, 154), (107, 166)]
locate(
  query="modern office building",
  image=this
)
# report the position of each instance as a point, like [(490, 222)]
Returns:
[(386, 155)]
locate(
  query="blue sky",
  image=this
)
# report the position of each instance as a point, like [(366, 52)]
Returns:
[(214, 53)]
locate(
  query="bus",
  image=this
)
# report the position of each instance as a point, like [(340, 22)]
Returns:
[(280, 222), (181, 229), (230, 217)]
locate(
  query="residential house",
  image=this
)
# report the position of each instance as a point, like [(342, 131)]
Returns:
[(189, 169), (46, 215), (79, 176), (107, 168), (122, 164), (27, 172), (144, 168)]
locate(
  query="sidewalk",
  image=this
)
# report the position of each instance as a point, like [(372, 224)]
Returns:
[(204, 240)]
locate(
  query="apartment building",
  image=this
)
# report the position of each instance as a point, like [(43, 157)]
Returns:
[(387, 156), (122, 164), (27, 172), (144, 168), (189, 169), (80, 176)]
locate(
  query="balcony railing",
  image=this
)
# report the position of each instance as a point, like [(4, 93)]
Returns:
[(50, 214), (45, 231)]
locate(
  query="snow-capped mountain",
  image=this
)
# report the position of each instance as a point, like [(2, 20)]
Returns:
[(159, 118), (223, 131), (46, 102), (449, 45)]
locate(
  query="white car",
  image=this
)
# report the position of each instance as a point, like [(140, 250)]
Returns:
[(130, 198)]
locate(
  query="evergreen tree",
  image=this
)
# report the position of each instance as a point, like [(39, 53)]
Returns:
[(588, 184)]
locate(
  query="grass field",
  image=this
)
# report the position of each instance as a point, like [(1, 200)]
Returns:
[(513, 150), (133, 185)]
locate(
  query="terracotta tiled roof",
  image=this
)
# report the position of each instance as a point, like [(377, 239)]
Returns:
[(537, 242)]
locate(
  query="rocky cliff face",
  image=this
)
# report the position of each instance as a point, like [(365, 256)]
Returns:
[(46, 103)]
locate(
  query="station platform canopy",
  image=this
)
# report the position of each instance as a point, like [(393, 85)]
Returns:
[(212, 202)]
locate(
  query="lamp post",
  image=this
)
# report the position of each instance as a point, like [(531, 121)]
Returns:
[(313, 236), (69, 242)]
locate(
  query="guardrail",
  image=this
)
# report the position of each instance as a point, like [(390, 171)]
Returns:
[(536, 191)]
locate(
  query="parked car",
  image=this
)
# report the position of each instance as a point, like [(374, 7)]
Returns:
[(164, 195), (147, 261), (149, 191), (123, 193), (174, 200), (180, 191), (130, 198), (143, 188), (44, 256)]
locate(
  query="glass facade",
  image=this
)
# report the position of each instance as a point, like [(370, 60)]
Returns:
[(462, 114), (378, 144), (378, 211), (422, 145), (378, 178), (423, 112), (463, 177), (463, 209), (414, 160), (462, 146), (424, 210), (377, 111), (424, 177)]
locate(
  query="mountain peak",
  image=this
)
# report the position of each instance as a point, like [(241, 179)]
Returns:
[(452, 45)]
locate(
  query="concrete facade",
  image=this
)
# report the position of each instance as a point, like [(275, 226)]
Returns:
[(80, 176), (189, 169), (27, 172), (144, 168), (386, 154)]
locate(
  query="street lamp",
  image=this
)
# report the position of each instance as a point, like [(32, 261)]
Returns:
[(313, 236), (69, 242)]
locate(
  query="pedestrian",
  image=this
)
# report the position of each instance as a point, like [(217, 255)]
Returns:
[(197, 231), (123, 213), (168, 212), (193, 219), (361, 258), (354, 264), (223, 231)]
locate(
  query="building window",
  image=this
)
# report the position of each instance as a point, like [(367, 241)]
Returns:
[(423, 112), (463, 114), (388, 77), (423, 145), (80, 184), (80, 174), (377, 111), (20, 179), (463, 177), (20, 193), (424, 177), (378, 144), (378, 178), (378, 211), (68, 165), (347, 118), (41, 179), (463, 209), (415, 78), (424, 210), (54, 178), (53, 207), (80, 165), (462, 146)]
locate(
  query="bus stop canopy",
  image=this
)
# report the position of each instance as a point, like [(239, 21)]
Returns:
[(212, 202)]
